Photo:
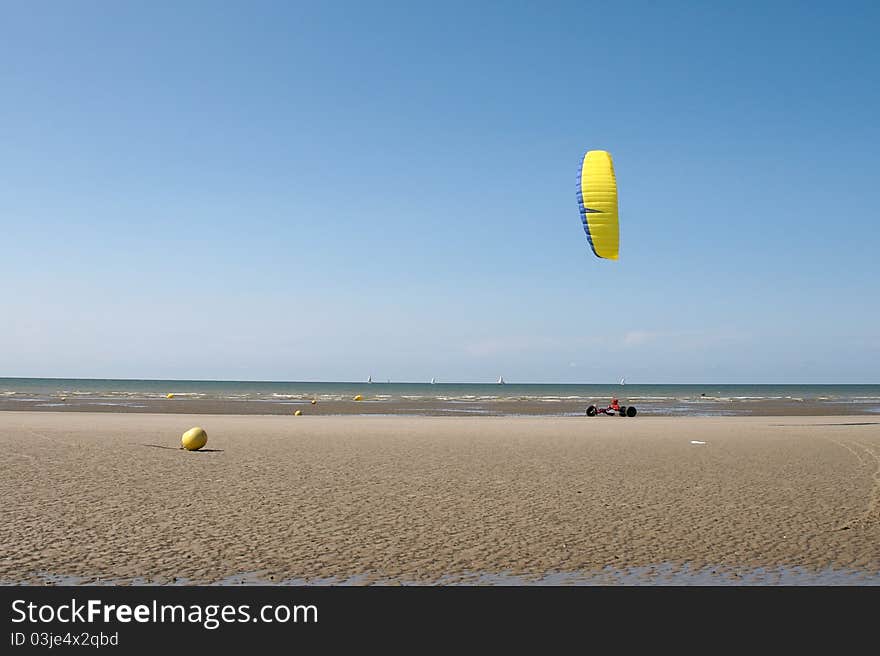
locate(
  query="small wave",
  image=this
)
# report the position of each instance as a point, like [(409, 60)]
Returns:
[(469, 411), (115, 404)]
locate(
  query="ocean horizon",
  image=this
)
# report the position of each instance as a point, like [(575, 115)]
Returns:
[(435, 398)]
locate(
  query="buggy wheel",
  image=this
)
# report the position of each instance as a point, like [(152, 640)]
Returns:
[(631, 411), (622, 411), (591, 411)]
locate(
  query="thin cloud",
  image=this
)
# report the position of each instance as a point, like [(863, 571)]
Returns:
[(512, 344), (640, 337)]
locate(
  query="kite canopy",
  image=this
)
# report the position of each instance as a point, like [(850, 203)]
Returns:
[(597, 199)]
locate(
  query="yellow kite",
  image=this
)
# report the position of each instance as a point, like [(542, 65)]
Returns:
[(597, 199)]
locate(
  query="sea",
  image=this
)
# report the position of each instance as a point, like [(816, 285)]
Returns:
[(416, 397)]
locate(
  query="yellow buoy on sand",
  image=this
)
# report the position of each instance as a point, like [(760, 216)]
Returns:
[(169, 396), (194, 439), (314, 401), (358, 398), (298, 413)]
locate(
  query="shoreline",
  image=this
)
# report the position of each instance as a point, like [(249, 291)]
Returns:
[(432, 407), (428, 500)]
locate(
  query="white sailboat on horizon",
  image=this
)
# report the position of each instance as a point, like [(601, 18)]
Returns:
[(623, 381), (369, 379), (433, 381), (501, 380)]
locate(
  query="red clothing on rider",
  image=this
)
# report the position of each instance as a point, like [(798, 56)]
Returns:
[(615, 405)]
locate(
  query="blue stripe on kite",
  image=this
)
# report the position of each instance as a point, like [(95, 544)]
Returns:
[(584, 210)]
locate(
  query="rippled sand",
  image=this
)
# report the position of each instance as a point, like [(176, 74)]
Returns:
[(433, 499)]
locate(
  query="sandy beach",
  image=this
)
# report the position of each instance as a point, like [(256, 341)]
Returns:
[(109, 497)]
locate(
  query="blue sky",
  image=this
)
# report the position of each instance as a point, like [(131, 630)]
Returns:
[(328, 191)]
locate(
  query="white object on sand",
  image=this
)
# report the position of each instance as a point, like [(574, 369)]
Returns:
[(696, 442)]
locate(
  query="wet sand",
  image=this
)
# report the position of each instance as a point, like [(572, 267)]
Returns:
[(110, 496)]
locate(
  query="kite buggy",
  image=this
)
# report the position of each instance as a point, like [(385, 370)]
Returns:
[(614, 409)]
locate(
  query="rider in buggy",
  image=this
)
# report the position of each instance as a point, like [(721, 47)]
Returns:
[(614, 408)]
